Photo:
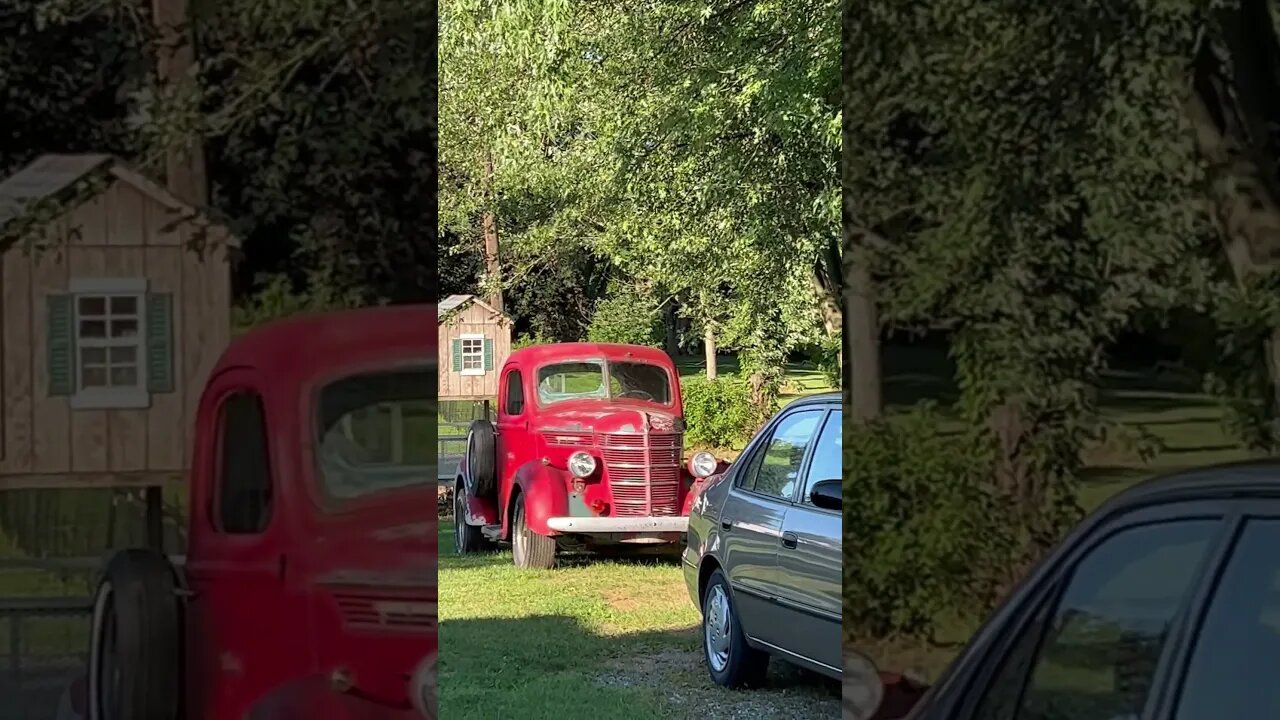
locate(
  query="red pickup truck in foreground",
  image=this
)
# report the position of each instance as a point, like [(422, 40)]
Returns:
[(585, 454), (309, 585)]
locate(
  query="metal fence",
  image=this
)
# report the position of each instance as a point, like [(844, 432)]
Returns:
[(455, 417)]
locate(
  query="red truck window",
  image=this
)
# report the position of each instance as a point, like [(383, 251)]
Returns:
[(244, 493), (377, 432), (515, 393), (586, 379)]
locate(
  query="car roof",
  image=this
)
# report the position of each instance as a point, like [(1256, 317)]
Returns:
[(826, 398), (1248, 478)]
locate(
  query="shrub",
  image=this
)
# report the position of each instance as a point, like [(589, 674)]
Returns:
[(924, 537), (825, 356), (719, 412), (535, 337), (626, 317)]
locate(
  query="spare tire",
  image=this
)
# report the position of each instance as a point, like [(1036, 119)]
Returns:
[(135, 658), (482, 456)]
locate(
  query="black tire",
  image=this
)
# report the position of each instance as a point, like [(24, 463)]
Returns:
[(135, 661), (741, 664), (482, 458), (529, 550), (467, 539)]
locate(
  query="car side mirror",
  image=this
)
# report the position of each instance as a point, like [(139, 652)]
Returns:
[(826, 494)]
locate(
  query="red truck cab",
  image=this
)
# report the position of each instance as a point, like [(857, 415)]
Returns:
[(585, 453), (309, 584)]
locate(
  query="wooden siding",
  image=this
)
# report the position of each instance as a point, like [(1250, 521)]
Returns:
[(472, 319), (120, 233)]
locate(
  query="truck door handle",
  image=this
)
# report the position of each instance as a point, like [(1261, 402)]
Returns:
[(789, 540)]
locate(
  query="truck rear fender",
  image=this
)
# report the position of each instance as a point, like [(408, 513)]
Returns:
[(480, 511)]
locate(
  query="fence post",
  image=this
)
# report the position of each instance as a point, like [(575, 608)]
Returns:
[(15, 651), (486, 408)]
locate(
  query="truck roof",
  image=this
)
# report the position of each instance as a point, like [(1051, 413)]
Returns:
[(539, 354), (283, 342)]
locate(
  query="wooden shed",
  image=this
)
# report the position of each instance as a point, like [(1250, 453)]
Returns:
[(475, 340), (114, 306)]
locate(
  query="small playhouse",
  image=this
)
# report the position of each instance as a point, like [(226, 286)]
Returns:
[(113, 310), (475, 340)]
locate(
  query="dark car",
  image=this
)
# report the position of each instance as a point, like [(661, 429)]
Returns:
[(1164, 603), (762, 557)]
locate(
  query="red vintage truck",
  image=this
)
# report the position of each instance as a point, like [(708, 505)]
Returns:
[(585, 453), (309, 585)]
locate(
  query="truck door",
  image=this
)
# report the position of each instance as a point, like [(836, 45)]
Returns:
[(244, 633), (514, 440)]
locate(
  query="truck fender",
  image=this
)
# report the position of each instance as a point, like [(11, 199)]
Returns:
[(479, 511), (545, 496)]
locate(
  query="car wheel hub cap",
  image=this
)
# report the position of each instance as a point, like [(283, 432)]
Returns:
[(717, 621)]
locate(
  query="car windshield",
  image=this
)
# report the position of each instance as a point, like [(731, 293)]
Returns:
[(377, 432), (586, 379)]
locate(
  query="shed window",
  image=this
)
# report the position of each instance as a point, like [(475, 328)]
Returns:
[(473, 354), (110, 343)]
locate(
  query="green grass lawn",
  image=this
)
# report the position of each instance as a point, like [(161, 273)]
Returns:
[(593, 640)]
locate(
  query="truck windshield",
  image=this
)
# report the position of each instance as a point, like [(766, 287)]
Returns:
[(377, 432), (586, 379)]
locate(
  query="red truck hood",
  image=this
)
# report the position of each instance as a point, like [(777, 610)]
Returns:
[(611, 417)]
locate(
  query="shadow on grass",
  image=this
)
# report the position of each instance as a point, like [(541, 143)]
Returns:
[(554, 666)]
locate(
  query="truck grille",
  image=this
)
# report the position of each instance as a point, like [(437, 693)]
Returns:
[(644, 480), (368, 611)]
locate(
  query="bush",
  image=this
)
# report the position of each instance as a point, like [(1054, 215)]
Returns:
[(530, 339), (626, 317), (719, 412), (826, 358), (925, 539)]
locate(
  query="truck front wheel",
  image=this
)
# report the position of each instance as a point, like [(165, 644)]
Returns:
[(530, 550)]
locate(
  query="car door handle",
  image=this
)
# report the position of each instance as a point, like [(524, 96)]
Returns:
[(789, 540), (726, 524)]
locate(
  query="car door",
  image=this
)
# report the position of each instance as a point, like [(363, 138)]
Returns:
[(1231, 668), (752, 515), (809, 559), (1092, 634)]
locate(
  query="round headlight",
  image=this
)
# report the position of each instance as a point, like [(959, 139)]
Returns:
[(581, 464), (702, 464), (423, 690)]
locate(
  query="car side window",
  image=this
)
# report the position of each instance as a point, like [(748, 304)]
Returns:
[(515, 393), (827, 456), (1096, 656), (1232, 673), (244, 478), (777, 465)]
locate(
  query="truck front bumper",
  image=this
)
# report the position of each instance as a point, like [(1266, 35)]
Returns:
[(628, 525)]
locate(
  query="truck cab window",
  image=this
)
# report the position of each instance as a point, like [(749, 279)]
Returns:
[(515, 393), (244, 481)]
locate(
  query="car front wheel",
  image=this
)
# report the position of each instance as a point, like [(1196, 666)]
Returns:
[(730, 661)]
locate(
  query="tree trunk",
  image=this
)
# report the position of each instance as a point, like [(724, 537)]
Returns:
[(861, 344), (709, 347), (492, 261), (184, 165), (672, 340), (1244, 207)]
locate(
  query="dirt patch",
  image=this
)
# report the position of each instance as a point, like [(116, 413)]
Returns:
[(680, 677), (621, 601)]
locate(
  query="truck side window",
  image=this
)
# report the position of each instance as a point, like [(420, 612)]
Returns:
[(1096, 655), (515, 393), (244, 478)]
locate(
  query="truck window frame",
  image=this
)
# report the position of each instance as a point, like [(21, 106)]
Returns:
[(324, 500)]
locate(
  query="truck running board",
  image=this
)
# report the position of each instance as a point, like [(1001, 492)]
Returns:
[(492, 532)]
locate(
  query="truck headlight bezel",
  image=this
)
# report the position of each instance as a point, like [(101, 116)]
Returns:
[(582, 464)]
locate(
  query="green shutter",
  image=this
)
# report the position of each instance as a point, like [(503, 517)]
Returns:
[(457, 356), (61, 340), (160, 342), (488, 355)]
